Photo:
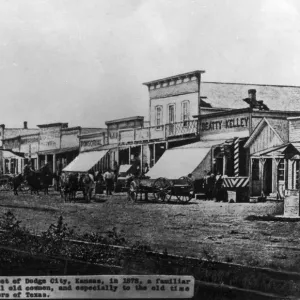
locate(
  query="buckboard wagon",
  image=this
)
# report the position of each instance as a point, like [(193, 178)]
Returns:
[(163, 189)]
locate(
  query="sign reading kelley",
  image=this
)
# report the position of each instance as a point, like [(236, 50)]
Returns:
[(227, 123)]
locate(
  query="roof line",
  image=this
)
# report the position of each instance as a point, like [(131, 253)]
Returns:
[(124, 119), (175, 76), (251, 84), (257, 130)]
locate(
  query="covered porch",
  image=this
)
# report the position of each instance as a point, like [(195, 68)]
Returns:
[(275, 172)]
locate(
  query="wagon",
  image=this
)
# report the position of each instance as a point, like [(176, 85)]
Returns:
[(6, 182), (163, 189), (121, 183)]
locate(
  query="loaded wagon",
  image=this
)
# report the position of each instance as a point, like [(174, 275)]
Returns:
[(178, 173), (163, 189)]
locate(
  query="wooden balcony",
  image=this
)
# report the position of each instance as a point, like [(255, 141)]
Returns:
[(181, 128), (162, 132)]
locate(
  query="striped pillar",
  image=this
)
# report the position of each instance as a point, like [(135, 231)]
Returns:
[(236, 157)]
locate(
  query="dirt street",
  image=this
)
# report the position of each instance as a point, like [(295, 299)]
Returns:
[(200, 228)]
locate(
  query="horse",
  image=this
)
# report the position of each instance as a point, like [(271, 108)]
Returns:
[(33, 179), (16, 183), (68, 186), (38, 180), (88, 186)]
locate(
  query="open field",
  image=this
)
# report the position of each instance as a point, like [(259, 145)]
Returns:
[(201, 229)]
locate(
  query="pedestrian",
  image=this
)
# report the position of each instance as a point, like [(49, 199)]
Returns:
[(211, 185), (146, 169), (205, 185), (218, 186), (88, 185), (109, 180), (191, 177)]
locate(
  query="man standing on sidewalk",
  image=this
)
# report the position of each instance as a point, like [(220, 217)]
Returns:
[(109, 180)]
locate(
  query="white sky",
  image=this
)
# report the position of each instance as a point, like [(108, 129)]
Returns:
[(84, 61)]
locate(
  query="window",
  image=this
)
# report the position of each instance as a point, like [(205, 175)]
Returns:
[(185, 112), (158, 116), (297, 163), (255, 169), (281, 170), (171, 118)]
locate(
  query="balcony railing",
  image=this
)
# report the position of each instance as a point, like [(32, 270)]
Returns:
[(181, 128), (158, 132)]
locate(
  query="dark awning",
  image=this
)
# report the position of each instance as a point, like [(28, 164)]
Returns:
[(59, 151)]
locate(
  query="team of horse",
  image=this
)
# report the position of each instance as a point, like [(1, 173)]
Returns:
[(36, 180), (72, 183), (67, 185)]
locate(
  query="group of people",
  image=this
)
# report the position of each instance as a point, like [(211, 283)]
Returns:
[(213, 186)]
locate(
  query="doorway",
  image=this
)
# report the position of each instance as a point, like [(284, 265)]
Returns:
[(268, 176)]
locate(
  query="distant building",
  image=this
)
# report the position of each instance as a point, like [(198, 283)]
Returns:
[(55, 144)]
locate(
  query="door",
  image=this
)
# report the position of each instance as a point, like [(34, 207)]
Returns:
[(171, 119), (268, 176)]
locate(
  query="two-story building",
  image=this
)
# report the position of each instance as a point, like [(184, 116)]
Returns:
[(225, 138), (101, 150), (224, 132)]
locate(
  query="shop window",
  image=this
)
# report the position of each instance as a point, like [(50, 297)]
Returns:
[(185, 112), (281, 170), (158, 117), (255, 169)]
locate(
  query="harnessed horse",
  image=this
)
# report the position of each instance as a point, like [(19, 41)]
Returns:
[(38, 180)]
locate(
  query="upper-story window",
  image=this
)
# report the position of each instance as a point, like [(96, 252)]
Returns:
[(185, 111), (171, 115), (158, 116)]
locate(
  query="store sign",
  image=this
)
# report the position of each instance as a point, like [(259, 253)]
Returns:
[(49, 138), (225, 124), (69, 139), (89, 144)]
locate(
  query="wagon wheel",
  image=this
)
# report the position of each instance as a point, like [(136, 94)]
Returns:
[(189, 187), (162, 189), (133, 191)]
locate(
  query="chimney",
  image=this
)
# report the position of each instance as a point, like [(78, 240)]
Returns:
[(25, 125), (252, 94)]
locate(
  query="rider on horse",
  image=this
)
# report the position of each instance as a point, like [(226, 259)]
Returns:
[(27, 169)]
